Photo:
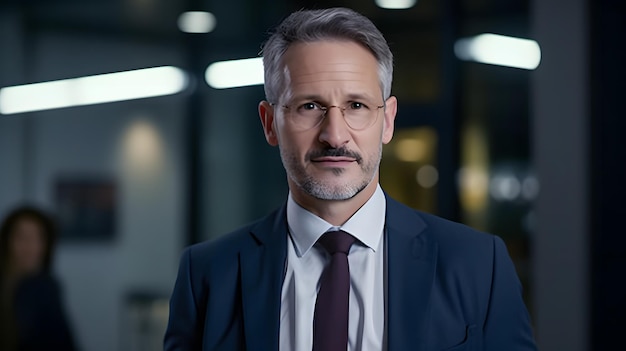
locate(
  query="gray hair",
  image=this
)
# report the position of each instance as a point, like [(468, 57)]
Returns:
[(307, 26)]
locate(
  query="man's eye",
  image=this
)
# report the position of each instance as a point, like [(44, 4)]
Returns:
[(357, 106), (309, 106)]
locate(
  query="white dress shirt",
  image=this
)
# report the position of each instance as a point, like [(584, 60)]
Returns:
[(306, 261)]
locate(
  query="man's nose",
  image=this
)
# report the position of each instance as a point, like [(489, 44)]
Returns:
[(334, 130)]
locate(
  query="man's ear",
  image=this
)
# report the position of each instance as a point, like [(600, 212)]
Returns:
[(391, 108), (266, 113)]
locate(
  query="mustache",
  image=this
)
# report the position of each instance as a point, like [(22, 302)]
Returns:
[(334, 152)]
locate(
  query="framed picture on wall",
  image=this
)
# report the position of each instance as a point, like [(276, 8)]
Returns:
[(86, 208)]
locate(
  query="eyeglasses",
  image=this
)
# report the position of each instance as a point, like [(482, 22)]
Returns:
[(357, 115)]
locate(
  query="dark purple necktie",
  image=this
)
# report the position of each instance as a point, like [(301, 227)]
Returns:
[(330, 323)]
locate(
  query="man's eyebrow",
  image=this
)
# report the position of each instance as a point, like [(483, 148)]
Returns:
[(310, 97), (361, 96), (307, 97)]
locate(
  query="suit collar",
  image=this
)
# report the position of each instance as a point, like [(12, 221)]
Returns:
[(262, 274), (411, 264), (305, 228)]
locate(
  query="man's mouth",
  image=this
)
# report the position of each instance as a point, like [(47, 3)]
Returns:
[(338, 156), (333, 159)]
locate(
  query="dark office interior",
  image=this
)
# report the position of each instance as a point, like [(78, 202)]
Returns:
[(534, 156)]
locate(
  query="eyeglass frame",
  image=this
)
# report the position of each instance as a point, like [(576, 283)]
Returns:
[(341, 108)]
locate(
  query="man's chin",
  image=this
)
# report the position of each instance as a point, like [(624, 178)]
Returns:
[(332, 192), (333, 196)]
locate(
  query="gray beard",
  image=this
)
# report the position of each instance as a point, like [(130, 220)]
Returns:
[(321, 191)]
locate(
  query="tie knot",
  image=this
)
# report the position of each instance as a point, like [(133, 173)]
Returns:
[(337, 241)]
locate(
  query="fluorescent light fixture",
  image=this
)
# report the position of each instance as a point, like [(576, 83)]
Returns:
[(97, 89), (396, 4), (499, 50), (235, 73), (196, 22)]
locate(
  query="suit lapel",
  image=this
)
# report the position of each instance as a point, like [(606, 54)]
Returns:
[(411, 258), (262, 274)]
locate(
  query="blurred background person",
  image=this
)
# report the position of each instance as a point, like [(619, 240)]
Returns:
[(32, 315)]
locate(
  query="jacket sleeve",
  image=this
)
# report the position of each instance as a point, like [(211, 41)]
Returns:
[(507, 326), (184, 329)]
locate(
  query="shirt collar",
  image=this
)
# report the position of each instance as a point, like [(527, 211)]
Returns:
[(366, 224)]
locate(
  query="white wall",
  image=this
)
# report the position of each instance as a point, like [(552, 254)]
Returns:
[(97, 141)]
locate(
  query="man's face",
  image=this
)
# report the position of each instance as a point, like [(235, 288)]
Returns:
[(329, 161)]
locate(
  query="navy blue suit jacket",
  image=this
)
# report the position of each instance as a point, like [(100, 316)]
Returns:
[(449, 288)]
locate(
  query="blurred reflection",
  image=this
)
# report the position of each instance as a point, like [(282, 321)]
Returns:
[(31, 312), (408, 169)]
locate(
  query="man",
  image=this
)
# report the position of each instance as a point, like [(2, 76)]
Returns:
[(403, 280)]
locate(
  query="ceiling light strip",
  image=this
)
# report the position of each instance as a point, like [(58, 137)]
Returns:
[(96, 89)]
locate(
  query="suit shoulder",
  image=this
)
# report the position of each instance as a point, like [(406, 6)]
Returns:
[(225, 245), (229, 244), (439, 228), (445, 229), (461, 250), (462, 246), (451, 237)]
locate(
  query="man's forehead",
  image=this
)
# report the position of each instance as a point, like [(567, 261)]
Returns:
[(328, 61), (326, 44)]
